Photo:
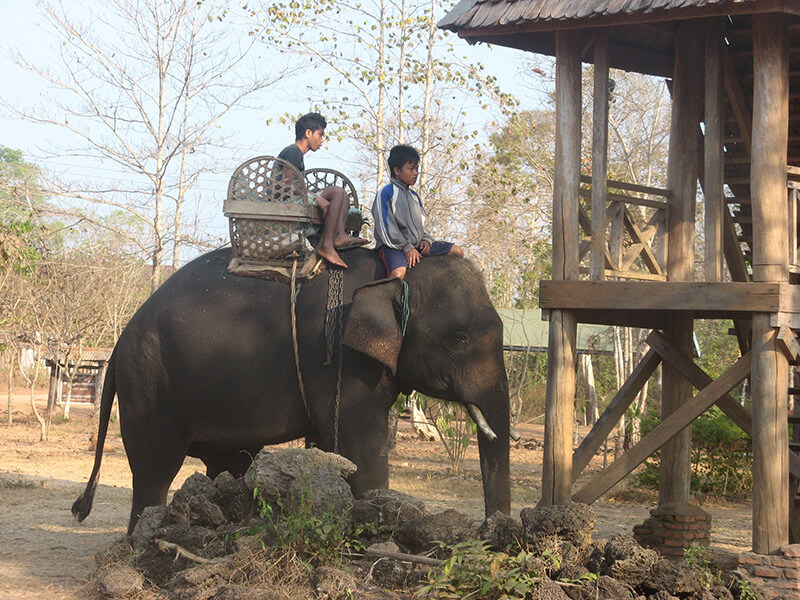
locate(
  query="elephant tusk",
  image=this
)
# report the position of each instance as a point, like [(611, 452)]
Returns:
[(513, 433), (480, 421)]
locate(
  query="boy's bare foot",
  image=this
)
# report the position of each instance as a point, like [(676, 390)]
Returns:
[(331, 256), (348, 240)]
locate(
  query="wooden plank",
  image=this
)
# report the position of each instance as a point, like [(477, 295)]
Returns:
[(714, 154), (668, 429), (635, 200), (639, 276), (770, 263), (699, 379), (278, 211), (729, 297), (788, 340), (631, 187), (648, 257), (616, 236), (614, 411), (599, 155)]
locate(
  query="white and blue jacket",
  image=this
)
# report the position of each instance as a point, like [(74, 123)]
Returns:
[(399, 217)]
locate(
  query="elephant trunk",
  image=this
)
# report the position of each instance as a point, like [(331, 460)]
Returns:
[(493, 443)]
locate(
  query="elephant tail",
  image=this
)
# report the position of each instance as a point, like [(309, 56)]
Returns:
[(83, 505)]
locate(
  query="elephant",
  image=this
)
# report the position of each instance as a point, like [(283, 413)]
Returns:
[(206, 368)]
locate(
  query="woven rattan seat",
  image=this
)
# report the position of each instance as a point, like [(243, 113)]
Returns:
[(272, 211)]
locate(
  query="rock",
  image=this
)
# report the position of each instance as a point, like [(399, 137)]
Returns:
[(662, 595), (674, 578), (627, 561), (609, 589), (388, 508), (204, 512), (501, 531), (272, 472), (196, 485), (326, 490), (234, 498), (196, 576), (153, 518), (547, 589), (118, 581), (332, 584), (572, 522), (384, 547), (243, 592), (390, 573), (716, 593), (449, 527)]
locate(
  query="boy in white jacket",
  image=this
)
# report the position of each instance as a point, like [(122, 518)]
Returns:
[(399, 218)]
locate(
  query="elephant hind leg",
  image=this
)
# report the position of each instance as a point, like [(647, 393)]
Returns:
[(151, 485), (236, 462)]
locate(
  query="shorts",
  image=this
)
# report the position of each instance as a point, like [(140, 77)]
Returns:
[(393, 259)]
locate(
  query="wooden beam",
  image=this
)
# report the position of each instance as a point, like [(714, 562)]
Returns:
[(599, 155), (614, 411), (699, 379), (699, 296), (770, 263), (561, 364), (714, 155), (667, 430)]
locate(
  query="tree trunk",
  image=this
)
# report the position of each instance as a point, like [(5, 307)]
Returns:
[(419, 421)]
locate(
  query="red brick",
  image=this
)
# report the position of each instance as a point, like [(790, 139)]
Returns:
[(791, 573), (768, 572), (674, 543), (786, 564), (787, 585), (791, 550), (683, 519), (750, 559)]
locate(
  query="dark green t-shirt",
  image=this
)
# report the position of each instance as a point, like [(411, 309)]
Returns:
[(293, 155)]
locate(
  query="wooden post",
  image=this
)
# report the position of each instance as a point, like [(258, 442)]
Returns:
[(599, 156), (562, 357), (713, 149), (770, 263), (675, 467)]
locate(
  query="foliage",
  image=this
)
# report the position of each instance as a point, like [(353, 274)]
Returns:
[(295, 527), (475, 571), (697, 556), (722, 456), (453, 426)]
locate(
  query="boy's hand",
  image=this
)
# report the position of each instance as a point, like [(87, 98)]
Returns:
[(413, 257), (323, 205), (424, 247)]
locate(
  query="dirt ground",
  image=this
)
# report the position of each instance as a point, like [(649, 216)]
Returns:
[(45, 553)]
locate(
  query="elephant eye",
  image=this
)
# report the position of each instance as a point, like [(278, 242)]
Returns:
[(460, 338)]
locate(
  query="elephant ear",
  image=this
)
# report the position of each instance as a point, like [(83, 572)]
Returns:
[(373, 327)]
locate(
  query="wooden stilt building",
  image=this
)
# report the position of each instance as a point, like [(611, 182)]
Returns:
[(734, 67)]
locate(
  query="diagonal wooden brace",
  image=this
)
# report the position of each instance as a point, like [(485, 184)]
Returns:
[(788, 339), (613, 412), (668, 429)]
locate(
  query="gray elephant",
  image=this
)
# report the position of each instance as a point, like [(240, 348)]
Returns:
[(206, 368)]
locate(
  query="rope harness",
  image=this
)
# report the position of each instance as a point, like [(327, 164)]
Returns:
[(334, 316)]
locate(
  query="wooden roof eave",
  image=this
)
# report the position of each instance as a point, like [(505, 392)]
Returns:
[(791, 7), (627, 58), (539, 36)]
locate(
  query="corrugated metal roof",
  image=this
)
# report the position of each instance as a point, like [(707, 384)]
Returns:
[(472, 14), (524, 329)]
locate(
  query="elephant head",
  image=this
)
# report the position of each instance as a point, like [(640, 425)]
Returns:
[(452, 349)]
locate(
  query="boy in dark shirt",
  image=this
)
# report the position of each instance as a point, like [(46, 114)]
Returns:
[(332, 201), (400, 218)]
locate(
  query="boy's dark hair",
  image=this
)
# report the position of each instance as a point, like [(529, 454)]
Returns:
[(401, 155), (312, 121)]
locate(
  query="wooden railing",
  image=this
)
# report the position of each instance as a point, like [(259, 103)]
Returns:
[(793, 185), (635, 245)]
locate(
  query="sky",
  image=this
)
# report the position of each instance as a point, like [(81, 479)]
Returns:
[(20, 29)]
